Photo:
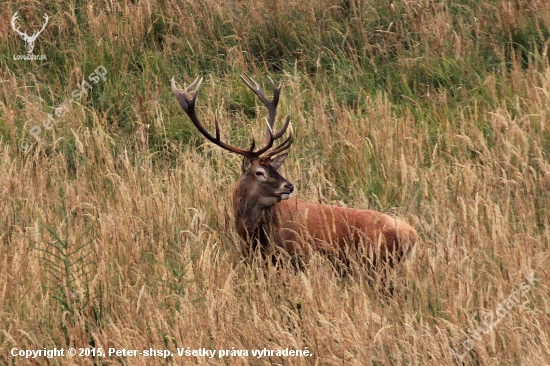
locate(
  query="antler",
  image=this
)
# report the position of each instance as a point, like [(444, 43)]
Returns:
[(24, 34), (36, 33), (188, 104), (14, 26), (272, 111)]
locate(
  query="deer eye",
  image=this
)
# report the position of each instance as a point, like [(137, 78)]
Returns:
[(259, 173)]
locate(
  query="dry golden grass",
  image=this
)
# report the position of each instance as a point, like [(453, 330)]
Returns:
[(466, 163)]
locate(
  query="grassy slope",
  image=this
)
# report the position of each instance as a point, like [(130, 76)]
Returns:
[(437, 112)]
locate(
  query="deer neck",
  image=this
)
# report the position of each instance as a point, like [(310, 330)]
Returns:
[(255, 223)]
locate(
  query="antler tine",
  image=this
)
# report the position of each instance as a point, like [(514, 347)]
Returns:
[(46, 18), (283, 129), (283, 145), (14, 26), (273, 137), (37, 32), (186, 102), (270, 105), (188, 105), (255, 87)]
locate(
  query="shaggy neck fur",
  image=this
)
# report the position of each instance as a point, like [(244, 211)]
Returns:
[(254, 222)]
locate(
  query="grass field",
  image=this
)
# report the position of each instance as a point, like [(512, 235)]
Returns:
[(116, 228)]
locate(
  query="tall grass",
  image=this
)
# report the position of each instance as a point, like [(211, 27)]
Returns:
[(437, 112)]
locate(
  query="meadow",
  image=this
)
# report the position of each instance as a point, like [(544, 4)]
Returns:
[(116, 227)]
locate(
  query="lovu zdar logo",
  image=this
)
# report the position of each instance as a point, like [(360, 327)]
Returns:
[(29, 40)]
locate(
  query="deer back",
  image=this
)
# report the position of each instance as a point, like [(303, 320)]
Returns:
[(334, 230)]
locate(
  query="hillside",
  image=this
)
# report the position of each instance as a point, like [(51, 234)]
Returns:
[(116, 224)]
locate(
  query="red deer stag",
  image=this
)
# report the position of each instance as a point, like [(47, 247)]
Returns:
[(267, 216)]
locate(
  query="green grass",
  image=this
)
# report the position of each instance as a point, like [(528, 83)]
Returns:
[(435, 112)]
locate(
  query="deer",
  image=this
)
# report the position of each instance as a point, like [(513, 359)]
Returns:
[(29, 40), (269, 218)]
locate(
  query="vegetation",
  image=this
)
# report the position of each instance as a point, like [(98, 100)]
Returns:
[(116, 227)]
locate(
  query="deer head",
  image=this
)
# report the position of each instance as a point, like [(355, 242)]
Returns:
[(29, 40), (260, 183)]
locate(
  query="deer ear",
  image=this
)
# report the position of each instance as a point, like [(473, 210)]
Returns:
[(278, 161), (245, 165)]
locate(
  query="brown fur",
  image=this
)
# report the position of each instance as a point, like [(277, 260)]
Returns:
[(296, 226), (334, 230), (299, 227)]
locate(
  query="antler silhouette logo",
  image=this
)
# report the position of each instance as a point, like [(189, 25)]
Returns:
[(29, 40)]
